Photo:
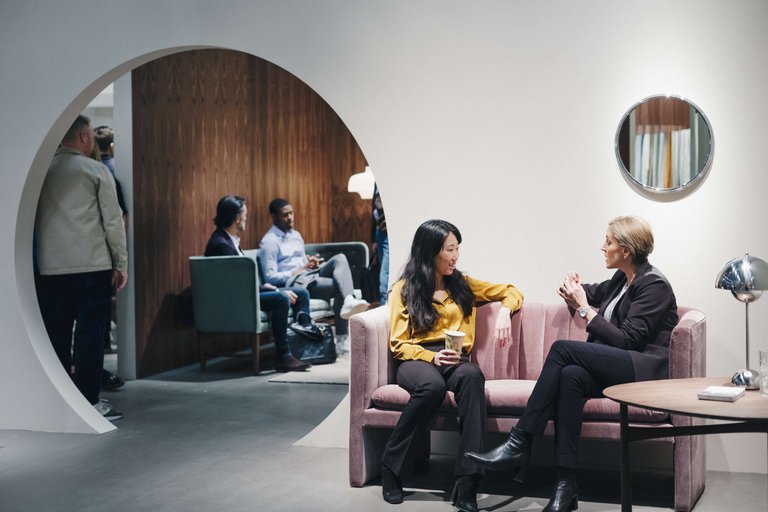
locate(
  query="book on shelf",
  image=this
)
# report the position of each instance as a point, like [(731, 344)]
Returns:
[(721, 393)]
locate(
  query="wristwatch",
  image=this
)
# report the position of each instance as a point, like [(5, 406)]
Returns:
[(583, 311)]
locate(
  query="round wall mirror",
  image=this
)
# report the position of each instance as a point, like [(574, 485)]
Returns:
[(664, 144)]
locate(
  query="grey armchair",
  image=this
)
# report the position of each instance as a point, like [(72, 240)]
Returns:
[(225, 295), (225, 299)]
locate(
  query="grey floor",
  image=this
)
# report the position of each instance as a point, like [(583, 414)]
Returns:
[(225, 441)]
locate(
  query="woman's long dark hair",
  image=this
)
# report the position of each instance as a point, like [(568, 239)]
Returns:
[(419, 276)]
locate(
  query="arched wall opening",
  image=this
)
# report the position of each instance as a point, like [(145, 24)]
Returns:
[(349, 207)]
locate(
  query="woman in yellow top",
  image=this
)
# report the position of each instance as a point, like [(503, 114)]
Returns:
[(432, 296)]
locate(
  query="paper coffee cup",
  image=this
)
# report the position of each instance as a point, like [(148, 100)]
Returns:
[(454, 340)]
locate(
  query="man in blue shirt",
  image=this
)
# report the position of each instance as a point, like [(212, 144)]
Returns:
[(284, 262)]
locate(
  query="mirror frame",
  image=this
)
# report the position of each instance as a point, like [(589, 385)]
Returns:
[(665, 193)]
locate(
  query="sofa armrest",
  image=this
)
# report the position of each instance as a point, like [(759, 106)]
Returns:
[(225, 294), (688, 345), (371, 363), (687, 358), (371, 366)]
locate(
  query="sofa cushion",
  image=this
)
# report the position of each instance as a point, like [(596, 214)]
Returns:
[(601, 409), (393, 397), (509, 398)]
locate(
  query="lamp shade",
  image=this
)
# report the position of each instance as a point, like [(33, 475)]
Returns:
[(745, 277), (363, 183)]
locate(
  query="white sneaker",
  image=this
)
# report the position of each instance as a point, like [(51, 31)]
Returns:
[(342, 344), (352, 306), (105, 409)]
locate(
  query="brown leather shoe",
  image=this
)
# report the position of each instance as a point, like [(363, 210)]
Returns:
[(290, 364)]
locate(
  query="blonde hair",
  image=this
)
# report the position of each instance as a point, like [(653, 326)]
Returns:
[(635, 234)]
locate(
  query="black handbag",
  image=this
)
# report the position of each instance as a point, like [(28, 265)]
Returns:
[(312, 344)]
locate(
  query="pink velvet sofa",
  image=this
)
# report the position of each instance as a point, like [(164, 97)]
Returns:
[(376, 400)]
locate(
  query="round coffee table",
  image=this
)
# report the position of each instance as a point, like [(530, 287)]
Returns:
[(679, 396)]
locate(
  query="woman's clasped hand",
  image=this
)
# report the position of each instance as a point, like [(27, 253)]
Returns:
[(572, 292)]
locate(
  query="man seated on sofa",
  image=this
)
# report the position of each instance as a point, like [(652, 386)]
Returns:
[(230, 220), (284, 262)]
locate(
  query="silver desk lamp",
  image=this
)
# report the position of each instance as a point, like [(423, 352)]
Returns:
[(746, 277)]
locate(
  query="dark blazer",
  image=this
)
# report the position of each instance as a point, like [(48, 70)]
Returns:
[(220, 244), (641, 322)]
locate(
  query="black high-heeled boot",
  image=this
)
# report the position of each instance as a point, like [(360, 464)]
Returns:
[(566, 497), (464, 496), (514, 453), (391, 487)]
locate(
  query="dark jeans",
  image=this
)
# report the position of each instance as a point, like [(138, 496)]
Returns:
[(279, 305), (427, 385), (334, 281), (573, 372), (382, 251), (82, 301)]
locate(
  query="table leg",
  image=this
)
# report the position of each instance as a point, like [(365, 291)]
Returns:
[(626, 482)]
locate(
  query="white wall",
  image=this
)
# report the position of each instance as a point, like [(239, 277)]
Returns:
[(499, 116)]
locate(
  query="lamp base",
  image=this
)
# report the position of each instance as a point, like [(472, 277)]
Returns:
[(746, 379)]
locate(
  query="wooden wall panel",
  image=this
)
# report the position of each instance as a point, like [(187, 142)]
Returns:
[(213, 122)]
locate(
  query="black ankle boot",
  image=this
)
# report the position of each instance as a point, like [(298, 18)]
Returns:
[(566, 497), (391, 487), (514, 453), (464, 496)]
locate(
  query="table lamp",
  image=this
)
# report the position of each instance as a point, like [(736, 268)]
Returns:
[(746, 277), (363, 183)]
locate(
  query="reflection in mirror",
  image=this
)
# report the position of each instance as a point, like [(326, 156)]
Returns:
[(664, 144)]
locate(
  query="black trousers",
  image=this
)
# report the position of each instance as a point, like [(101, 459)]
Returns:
[(82, 301), (573, 372), (427, 385)]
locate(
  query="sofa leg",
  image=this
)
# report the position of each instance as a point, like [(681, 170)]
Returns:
[(200, 353), (256, 353)]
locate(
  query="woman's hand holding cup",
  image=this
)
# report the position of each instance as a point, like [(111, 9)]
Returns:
[(446, 357), (451, 354)]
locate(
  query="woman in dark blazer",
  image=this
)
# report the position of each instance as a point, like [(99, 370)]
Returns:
[(628, 341)]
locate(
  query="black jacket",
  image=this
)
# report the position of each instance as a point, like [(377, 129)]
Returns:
[(220, 244), (641, 322)]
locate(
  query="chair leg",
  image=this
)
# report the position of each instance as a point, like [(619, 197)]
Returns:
[(201, 354), (256, 352)]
